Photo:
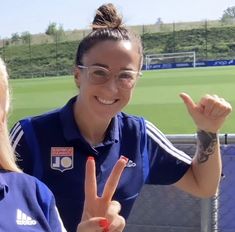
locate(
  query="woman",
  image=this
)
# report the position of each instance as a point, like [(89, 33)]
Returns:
[(108, 65), (26, 204)]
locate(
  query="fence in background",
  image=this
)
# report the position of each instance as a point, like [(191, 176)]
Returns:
[(167, 209), (29, 57)]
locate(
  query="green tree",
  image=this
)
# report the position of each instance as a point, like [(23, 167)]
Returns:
[(56, 31), (60, 33), (228, 15), (26, 37), (51, 29), (15, 38)]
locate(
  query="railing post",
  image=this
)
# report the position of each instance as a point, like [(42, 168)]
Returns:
[(206, 215)]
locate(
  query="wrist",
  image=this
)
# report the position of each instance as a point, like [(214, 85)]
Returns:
[(202, 134), (208, 131)]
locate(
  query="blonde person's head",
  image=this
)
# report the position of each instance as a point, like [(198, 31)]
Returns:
[(7, 157)]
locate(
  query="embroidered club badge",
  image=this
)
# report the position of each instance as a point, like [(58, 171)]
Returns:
[(62, 158)]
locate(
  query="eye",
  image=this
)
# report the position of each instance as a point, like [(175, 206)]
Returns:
[(100, 73), (127, 75)]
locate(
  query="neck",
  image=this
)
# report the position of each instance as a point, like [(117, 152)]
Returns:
[(92, 128)]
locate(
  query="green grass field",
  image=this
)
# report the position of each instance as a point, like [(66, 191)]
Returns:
[(156, 96)]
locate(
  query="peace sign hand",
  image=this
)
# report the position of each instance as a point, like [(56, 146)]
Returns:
[(101, 213)]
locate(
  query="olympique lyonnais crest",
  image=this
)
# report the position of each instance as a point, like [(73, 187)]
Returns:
[(62, 158)]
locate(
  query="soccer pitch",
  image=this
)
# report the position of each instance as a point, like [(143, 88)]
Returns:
[(156, 96)]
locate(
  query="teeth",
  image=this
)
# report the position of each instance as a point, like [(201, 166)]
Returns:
[(106, 102)]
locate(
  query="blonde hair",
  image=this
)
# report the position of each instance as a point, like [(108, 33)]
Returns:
[(7, 157)]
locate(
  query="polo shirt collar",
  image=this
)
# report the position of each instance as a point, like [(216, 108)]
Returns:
[(72, 132), (113, 131), (3, 185)]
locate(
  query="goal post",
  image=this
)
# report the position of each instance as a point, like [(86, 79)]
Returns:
[(169, 58)]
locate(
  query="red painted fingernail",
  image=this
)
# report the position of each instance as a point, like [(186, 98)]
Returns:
[(90, 158), (125, 158), (104, 224)]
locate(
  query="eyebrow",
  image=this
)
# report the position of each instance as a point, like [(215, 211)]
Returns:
[(107, 67), (101, 65)]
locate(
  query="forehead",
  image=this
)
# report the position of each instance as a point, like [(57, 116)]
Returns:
[(113, 53)]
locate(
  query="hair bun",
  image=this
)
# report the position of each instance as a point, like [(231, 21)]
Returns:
[(107, 17)]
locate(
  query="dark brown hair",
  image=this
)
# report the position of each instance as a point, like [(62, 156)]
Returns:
[(107, 25)]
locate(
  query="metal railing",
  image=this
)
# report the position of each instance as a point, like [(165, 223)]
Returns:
[(167, 209), (192, 138)]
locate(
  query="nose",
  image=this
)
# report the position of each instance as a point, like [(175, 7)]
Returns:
[(112, 85)]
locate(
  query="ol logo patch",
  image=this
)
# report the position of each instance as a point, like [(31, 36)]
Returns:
[(62, 158)]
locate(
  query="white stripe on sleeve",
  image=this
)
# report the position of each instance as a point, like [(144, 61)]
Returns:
[(19, 136), (163, 142), (14, 131)]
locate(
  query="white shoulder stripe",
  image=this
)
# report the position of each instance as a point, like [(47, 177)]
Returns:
[(17, 139), (160, 138), (14, 131), (179, 156), (151, 125)]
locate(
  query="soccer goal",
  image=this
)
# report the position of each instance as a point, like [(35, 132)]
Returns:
[(179, 58)]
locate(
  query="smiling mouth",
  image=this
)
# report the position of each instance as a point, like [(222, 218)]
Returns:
[(106, 102)]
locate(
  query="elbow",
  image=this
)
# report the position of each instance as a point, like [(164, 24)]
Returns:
[(207, 193)]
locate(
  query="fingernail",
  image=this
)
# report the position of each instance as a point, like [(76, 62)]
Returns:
[(124, 158), (104, 224), (90, 158)]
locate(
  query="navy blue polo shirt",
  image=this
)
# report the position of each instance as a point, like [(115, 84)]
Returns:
[(51, 147), (26, 204)]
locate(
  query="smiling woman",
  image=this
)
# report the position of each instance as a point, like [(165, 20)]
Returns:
[(35, 209), (108, 63)]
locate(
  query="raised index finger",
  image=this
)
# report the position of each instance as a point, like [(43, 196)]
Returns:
[(112, 182), (90, 180)]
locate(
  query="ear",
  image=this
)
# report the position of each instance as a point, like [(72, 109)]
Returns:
[(77, 76)]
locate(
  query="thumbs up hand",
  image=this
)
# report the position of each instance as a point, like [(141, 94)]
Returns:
[(209, 113)]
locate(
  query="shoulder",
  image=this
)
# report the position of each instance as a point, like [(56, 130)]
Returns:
[(56, 116), (138, 121), (18, 178), (25, 181), (52, 114), (48, 116), (38, 189), (153, 130)]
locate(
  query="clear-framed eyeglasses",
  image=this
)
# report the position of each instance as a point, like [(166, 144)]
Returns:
[(99, 75)]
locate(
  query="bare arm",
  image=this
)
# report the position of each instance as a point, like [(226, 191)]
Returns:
[(203, 176)]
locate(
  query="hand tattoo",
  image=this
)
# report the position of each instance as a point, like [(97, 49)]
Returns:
[(206, 145)]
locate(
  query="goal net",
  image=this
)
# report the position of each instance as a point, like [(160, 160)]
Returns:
[(169, 60)]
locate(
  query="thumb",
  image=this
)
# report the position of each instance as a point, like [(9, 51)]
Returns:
[(188, 102)]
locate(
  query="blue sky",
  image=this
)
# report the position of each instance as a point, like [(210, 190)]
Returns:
[(35, 15)]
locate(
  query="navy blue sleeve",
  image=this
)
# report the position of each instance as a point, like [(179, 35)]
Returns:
[(167, 164), (21, 148), (47, 202)]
